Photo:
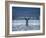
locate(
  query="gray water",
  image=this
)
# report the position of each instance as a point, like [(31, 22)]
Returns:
[(20, 25)]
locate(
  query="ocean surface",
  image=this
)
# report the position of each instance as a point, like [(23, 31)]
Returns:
[(20, 25)]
